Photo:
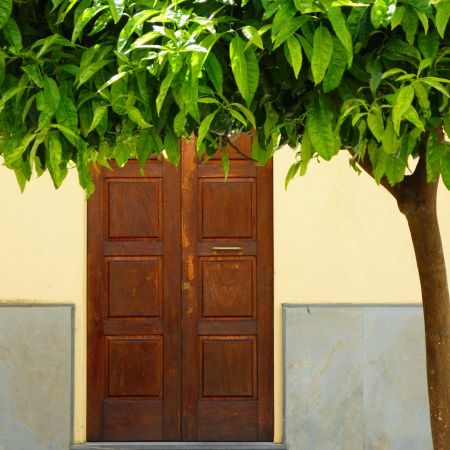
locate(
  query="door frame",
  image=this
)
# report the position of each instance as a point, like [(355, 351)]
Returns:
[(265, 277)]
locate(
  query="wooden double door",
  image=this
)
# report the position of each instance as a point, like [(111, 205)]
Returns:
[(180, 302)]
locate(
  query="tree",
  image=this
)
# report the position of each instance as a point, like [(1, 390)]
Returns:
[(84, 82)]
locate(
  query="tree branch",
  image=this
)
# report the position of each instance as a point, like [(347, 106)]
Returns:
[(366, 165), (237, 149)]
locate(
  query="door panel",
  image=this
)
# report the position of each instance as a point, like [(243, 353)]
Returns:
[(227, 350), (180, 301), (227, 287), (228, 366), (227, 209), (129, 198), (134, 305), (135, 287)]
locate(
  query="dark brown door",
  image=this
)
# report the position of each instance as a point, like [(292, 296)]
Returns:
[(180, 289)]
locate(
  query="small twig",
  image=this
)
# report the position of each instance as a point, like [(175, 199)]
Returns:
[(238, 150)]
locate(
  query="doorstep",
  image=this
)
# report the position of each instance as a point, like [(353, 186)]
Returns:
[(179, 446)]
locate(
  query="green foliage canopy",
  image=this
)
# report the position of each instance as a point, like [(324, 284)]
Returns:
[(85, 81)]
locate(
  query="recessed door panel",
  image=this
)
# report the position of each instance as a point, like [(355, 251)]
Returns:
[(228, 367), (228, 287), (135, 287), (135, 367), (134, 209), (227, 209)]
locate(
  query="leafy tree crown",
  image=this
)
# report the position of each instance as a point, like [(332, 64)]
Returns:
[(94, 80)]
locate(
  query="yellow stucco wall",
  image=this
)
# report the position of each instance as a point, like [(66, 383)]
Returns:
[(338, 238)]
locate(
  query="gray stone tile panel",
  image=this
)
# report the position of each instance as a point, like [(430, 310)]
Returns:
[(396, 413), (35, 377), (323, 378)]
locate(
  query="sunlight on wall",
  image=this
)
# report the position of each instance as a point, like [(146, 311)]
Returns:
[(43, 258), (338, 238)]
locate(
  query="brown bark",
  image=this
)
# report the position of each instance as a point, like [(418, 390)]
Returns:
[(416, 199), (418, 203)]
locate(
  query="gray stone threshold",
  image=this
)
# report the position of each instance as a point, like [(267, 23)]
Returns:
[(179, 446)]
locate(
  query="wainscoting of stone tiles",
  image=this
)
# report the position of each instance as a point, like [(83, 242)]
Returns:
[(355, 378), (35, 377)]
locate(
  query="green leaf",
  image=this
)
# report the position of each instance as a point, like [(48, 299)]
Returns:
[(136, 116), (376, 123), (397, 17), (245, 68), (84, 174), (66, 113), (9, 94), (442, 16), (54, 160), (410, 24), (336, 68), (99, 114), (435, 153), (86, 73), (446, 171), (246, 112), (252, 74), (225, 160), (319, 129), (390, 141), (291, 174), (251, 33), (204, 128), (2, 68), (71, 136), (172, 146), (144, 147), (239, 65), (322, 52), (179, 122), (12, 34), (86, 16), (289, 29), (422, 97), (163, 89), (283, 16), (49, 43), (214, 71), (117, 7), (429, 44), (337, 20), (431, 81), (412, 116), (237, 115), (51, 95), (34, 74), (306, 152), (5, 11), (382, 12), (398, 50), (134, 23), (293, 52), (403, 101)]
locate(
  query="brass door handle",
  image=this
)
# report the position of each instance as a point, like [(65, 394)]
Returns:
[(227, 249)]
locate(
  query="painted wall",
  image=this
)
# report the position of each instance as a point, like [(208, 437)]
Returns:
[(338, 238), (43, 258)]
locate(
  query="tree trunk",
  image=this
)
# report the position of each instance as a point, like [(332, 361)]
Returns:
[(417, 200)]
